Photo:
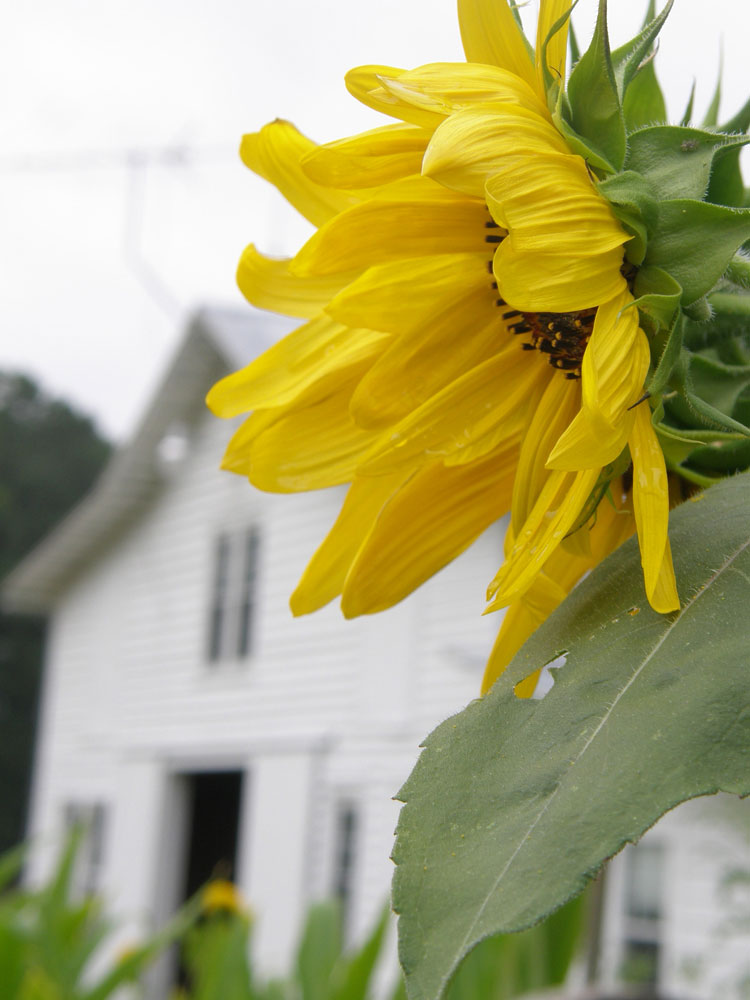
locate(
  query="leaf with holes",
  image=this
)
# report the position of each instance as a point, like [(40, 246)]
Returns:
[(514, 805)]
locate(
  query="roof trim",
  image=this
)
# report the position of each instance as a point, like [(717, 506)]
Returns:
[(216, 341)]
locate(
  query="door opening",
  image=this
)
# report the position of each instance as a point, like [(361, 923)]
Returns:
[(214, 799)]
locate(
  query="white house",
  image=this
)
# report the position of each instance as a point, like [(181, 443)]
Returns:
[(204, 730)]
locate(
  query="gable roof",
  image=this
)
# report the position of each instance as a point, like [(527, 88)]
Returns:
[(216, 341)]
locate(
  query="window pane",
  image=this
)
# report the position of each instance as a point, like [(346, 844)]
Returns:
[(643, 897), (247, 602), (219, 599), (343, 872)]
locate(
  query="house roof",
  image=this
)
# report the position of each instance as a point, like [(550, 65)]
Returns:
[(216, 341)]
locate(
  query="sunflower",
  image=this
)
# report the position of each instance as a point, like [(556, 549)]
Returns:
[(470, 344)]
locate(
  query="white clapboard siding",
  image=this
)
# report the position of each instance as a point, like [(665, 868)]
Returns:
[(323, 712)]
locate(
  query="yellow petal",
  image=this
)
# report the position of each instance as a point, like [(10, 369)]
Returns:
[(372, 158), (365, 83), (543, 282), (267, 283), (490, 34), (616, 360), (550, 12), (554, 514), (291, 366), (417, 365), (651, 508), (477, 403), (553, 411), (549, 205), (614, 368), (379, 231), (446, 88), (471, 146), (275, 153), (309, 448), (548, 591), (402, 295), (326, 572), (437, 514)]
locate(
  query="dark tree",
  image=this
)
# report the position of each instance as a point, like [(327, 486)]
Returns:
[(49, 458)]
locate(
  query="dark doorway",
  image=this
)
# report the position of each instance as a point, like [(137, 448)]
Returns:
[(213, 822)]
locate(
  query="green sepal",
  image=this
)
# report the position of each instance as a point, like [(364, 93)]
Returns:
[(552, 86), (658, 295), (644, 103), (517, 18), (718, 383), (712, 112), (628, 58), (726, 186), (575, 52), (633, 202), (677, 160), (723, 458), (738, 271), (577, 143), (678, 443), (687, 116), (695, 242), (709, 389), (739, 122), (596, 109), (666, 345), (687, 406)]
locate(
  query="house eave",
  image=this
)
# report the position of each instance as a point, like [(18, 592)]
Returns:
[(216, 342)]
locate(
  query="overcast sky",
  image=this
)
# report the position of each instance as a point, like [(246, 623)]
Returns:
[(123, 204)]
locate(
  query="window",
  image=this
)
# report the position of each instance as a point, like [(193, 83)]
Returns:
[(643, 912), (90, 819), (343, 867), (233, 596)]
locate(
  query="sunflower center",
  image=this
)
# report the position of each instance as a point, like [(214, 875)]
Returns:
[(562, 336)]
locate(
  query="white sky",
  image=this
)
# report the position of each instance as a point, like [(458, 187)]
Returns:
[(101, 259)]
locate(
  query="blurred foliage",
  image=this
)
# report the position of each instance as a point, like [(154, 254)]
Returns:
[(50, 940), (500, 968), (50, 456)]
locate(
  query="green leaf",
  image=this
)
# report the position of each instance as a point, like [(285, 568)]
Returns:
[(596, 111), (355, 975), (695, 241), (514, 805), (319, 950)]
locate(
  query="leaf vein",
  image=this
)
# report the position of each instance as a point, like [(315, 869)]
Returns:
[(726, 565)]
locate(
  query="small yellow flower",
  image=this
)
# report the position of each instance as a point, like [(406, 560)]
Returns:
[(470, 345), (222, 896)]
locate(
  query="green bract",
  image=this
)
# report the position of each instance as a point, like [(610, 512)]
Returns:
[(679, 191)]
